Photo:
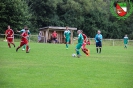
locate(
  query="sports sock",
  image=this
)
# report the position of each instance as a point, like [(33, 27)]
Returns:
[(97, 50), (17, 48), (27, 47), (100, 50), (77, 51), (9, 45), (24, 46), (66, 45), (13, 44)]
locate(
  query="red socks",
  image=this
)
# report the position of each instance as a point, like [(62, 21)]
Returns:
[(27, 48)]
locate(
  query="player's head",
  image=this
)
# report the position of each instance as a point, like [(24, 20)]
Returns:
[(79, 31), (98, 32), (54, 31), (66, 27), (8, 26), (26, 30), (25, 27), (125, 35)]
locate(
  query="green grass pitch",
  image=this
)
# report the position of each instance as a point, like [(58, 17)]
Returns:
[(52, 66)]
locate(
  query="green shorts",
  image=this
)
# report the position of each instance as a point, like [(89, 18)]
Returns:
[(67, 39), (78, 46)]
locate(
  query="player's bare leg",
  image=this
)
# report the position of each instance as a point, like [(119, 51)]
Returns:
[(9, 45), (13, 44), (85, 50), (19, 47)]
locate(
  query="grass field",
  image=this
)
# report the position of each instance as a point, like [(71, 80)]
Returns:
[(52, 66)]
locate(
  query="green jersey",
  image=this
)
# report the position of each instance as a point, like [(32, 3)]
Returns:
[(23, 30), (80, 38), (125, 40), (67, 34)]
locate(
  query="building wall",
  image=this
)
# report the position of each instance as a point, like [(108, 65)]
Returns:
[(60, 37)]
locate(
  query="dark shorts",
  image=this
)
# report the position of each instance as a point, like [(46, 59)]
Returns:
[(54, 39), (98, 44)]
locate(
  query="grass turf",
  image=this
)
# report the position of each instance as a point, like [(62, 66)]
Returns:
[(52, 66)]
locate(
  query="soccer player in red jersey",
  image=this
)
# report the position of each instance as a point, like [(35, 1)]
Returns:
[(24, 41), (9, 36), (84, 49)]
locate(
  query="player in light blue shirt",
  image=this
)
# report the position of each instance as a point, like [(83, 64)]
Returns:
[(98, 40)]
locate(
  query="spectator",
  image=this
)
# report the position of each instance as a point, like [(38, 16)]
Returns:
[(54, 36)]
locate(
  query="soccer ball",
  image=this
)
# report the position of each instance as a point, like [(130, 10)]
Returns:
[(73, 55)]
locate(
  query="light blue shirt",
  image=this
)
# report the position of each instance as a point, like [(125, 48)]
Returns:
[(98, 38)]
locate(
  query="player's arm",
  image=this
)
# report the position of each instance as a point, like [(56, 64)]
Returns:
[(18, 31), (12, 33), (101, 37), (95, 38)]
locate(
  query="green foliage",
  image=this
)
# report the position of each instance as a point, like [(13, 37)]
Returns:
[(88, 15), (14, 13)]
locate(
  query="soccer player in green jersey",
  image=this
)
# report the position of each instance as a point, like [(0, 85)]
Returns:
[(23, 30), (125, 41), (67, 35), (80, 42)]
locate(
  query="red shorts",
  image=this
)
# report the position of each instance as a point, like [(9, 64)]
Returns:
[(10, 40), (83, 45), (23, 42)]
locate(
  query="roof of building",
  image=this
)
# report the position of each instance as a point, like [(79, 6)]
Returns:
[(56, 28)]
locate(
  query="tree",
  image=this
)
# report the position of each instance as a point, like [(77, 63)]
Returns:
[(14, 13)]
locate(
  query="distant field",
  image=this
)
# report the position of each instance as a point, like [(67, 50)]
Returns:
[(52, 66)]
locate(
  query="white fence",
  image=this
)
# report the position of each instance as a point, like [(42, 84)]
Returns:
[(109, 42)]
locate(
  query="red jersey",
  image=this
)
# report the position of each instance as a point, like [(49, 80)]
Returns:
[(85, 37), (24, 36), (9, 33), (54, 35)]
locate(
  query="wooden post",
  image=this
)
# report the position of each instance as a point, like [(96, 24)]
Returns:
[(71, 41), (46, 35)]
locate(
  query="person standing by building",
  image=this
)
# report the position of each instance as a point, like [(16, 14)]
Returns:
[(67, 35), (98, 40), (10, 36), (125, 41), (54, 36)]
